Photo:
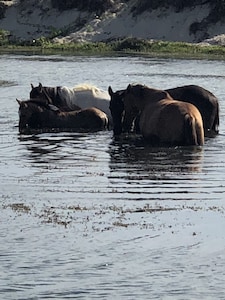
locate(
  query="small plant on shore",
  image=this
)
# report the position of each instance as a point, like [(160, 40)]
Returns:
[(89, 28), (4, 37)]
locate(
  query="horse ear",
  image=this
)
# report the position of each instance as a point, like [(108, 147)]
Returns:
[(19, 101), (110, 91), (22, 103), (40, 87), (128, 87), (32, 86)]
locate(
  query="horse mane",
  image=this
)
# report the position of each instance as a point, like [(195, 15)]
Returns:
[(85, 86), (39, 102)]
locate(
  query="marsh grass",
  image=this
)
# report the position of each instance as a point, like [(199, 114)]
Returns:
[(129, 46)]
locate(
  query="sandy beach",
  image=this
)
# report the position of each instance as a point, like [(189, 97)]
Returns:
[(37, 20)]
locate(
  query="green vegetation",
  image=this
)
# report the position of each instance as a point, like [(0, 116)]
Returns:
[(131, 46), (4, 37)]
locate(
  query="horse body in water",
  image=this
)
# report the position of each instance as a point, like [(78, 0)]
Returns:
[(162, 120), (204, 100), (35, 114), (78, 97)]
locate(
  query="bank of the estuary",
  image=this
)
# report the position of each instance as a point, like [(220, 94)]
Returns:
[(121, 47), (192, 22)]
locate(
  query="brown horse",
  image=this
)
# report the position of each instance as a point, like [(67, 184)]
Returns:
[(163, 120), (35, 114), (204, 100), (116, 107)]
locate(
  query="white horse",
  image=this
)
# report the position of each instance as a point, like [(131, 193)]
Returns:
[(81, 96)]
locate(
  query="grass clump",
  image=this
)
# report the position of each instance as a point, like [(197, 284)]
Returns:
[(171, 49), (126, 46), (4, 37)]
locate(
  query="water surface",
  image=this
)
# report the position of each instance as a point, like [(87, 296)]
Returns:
[(85, 216)]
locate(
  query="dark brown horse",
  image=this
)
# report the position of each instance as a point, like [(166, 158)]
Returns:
[(162, 120), (35, 114), (203, 99), (116, 107)]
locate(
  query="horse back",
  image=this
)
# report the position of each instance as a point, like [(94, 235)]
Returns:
[(90, 117), (84, 98), (173, 122)]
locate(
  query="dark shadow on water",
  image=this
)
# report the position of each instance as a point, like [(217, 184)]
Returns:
[(138, 157), (47, 147), (7, 83)]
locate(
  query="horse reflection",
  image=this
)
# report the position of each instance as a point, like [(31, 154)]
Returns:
[(145, 162), (45, 148)]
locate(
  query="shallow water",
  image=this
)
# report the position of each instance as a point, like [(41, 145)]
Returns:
[(84, 216)]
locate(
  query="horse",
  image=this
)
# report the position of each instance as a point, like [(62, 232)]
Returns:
[(35, 114), (206, 102), (162, 120), (67, 99)]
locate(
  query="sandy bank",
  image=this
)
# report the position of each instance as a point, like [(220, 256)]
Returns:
[(28, 23)]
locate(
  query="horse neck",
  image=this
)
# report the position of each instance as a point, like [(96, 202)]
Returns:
[(66, 97), (148, 97), (41, 116), (50, 93)]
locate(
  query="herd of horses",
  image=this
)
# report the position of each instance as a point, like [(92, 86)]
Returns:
[(183, 115)]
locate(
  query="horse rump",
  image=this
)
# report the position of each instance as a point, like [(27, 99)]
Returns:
[(92, 118), (193, 131)]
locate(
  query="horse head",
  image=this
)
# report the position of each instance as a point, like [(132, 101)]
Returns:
[(29, 111), (42, 92), (37, 91), (132, 107), (116, 107)]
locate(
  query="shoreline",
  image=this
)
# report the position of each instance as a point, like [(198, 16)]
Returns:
[(141, 47)]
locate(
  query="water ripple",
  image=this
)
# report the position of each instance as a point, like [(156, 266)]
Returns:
[(85, 216)]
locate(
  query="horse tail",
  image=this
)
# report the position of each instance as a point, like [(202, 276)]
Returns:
[(194, 133), (107, 125), (216, 122), (102, 120)]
